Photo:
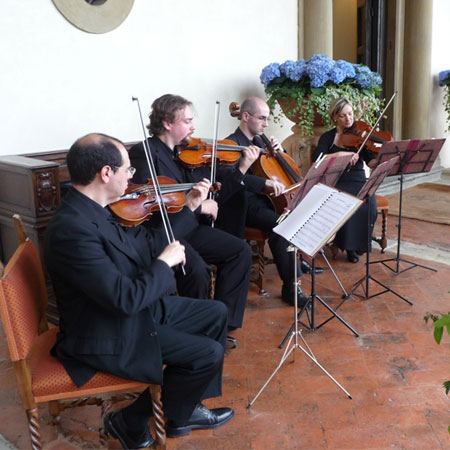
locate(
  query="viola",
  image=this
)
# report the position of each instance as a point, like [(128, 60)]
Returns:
[(198, 153), (357, 133), (140, 200)]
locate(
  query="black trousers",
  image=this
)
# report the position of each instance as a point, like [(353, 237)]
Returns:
[(261, 215), (191, 335), (232, 257)]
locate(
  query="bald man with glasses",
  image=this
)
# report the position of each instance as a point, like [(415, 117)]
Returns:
[(250, 207)]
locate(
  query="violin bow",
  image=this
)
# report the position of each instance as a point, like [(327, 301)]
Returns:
[(376, 123), (154, 177), (214, 150)]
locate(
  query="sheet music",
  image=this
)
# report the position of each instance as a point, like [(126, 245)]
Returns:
[(320, 214)]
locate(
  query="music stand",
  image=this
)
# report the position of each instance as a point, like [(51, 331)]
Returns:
[(415, 156), (326, 171), (295, 335), (376, 178)]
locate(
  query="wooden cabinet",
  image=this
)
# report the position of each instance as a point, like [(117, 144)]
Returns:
[(30, 187)]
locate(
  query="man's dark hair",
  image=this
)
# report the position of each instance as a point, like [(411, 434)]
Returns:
[(89, 154), (165, 108)]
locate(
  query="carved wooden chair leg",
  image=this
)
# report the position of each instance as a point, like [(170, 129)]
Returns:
[(54, 410), (383, 242), (102, 435), (260, 279), (158, 416), (33, 425)]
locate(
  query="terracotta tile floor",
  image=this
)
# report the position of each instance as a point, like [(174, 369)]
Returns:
[(394, 370)]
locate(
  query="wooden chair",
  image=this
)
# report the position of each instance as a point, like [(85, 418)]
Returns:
[(383, 208), (260, 238), (41, 377)]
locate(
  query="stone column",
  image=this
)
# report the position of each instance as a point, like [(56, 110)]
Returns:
[(417, 69), (315, 35), (318, 27)]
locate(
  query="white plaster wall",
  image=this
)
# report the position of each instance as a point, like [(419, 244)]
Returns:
[(440, 60), (58, 83)]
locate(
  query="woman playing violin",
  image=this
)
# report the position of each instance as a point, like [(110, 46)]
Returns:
[(353, 235)]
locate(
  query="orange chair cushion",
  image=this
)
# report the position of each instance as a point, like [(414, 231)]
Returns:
[(382, 202), (50, 380)]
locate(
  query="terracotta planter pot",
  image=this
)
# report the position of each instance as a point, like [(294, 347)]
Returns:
[(287, 105)]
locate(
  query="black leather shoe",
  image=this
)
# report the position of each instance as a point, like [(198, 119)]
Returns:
[(231, 343), (202, 418), (115, 426), (307, 268), (288, 296), (352, 256)]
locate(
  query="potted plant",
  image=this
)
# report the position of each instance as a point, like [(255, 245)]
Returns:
[(444, 80), (439, 323), (305, 89)]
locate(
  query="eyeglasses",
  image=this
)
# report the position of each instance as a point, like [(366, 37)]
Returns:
[(130, 170), (261, 118)]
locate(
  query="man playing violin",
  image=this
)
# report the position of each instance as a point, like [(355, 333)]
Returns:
[(353, 235), (172, 124), (250, 207), (113, 287)]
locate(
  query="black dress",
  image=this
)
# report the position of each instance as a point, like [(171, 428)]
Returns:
[(353, 235)]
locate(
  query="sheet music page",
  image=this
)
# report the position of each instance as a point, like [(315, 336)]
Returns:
[(319, 215)]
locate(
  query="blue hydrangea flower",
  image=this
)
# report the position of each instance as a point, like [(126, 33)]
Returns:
[(318, 68), (269, 73), (294, 70), (444, 76), (341, 71), (366, 78)]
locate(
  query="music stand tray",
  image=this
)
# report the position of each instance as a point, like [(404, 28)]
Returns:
[(415, 156)]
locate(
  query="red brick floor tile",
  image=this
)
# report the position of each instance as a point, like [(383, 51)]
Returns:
[(394, 370)]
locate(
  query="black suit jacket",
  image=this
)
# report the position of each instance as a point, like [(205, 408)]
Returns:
[(106, 280)]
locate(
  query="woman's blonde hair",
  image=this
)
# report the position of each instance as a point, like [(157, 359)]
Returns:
[(338, 105)]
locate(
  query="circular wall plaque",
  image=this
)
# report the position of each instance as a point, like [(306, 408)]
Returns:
[(95, 16)]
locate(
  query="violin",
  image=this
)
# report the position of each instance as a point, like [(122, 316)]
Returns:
[(140, 200), (275, 166), (357, 133), (198, 153)]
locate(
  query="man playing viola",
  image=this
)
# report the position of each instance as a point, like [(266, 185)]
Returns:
[(250, 207), (172, 124)]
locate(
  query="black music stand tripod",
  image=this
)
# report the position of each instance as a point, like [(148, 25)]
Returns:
[(309, 309), (295, 335), (367, 191), (368, 277), (415, 156)]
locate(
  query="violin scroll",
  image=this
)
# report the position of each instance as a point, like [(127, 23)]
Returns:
[(235, 110)]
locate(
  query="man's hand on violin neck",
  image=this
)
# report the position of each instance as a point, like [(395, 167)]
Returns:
[(250, 155), (210, 208), (274, 186), (198, 194), (173, 254)]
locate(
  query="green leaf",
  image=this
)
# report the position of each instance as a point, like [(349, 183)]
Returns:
[(438, 332), (443, 321), (447, 387)]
